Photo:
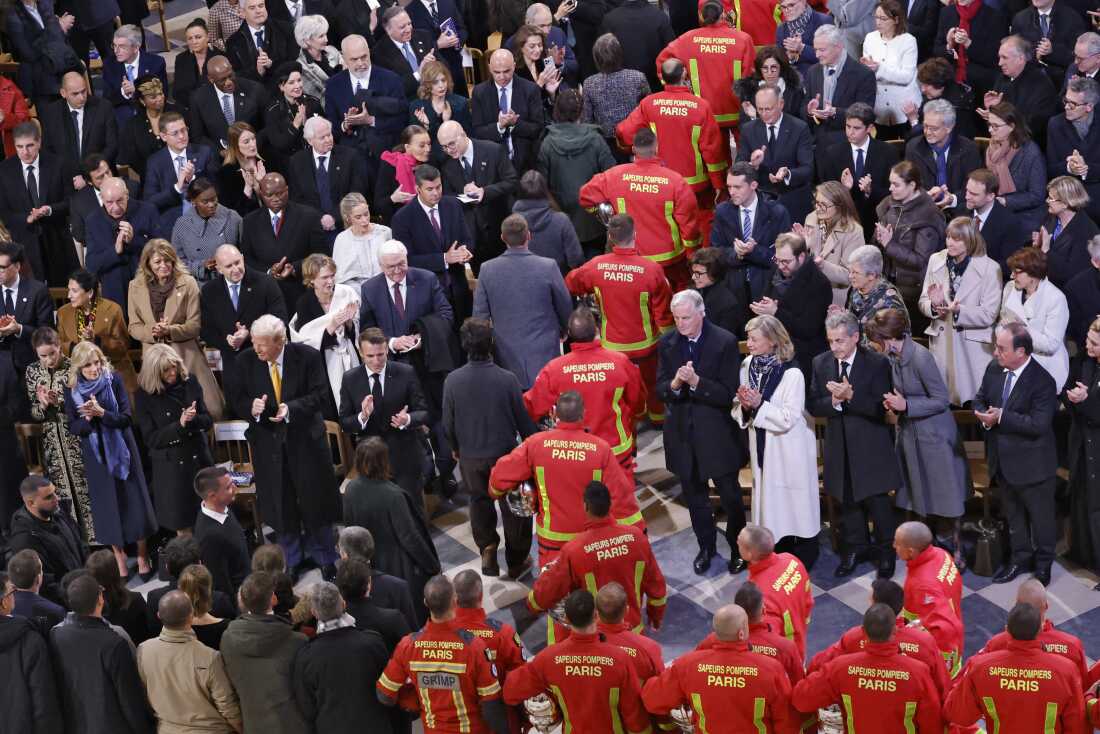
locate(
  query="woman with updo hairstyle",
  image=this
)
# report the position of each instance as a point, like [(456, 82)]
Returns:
[(238, 179), (285, 118), (139, 137), (190, 68), (1038, 304), (196, 582), (396, 182), (355, 250), (88, 316)]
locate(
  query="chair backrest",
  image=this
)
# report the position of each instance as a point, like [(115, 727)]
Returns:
[(983, 144), (340, 445), (30, 441), (230, 444)]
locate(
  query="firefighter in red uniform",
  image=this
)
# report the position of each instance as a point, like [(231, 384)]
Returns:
[(662, 204), (727, 687), (606, 551), (608, 381), (878, 689), (634, 297), (691, 142), (591, 681), (784, 581), (758, 18), (912, 641), (611, 607), (1021, 688), (444, 673), (562, 462), (933, 590)]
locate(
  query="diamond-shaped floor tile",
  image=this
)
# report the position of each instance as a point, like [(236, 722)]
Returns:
[(831, 617), (983, 619)]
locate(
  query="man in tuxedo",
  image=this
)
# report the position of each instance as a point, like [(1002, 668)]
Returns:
[(324, 174), (79, 125), (1023, 83), (999, 227), (434, 229), (402, 49), (746, 226), (171, 169), (1086, 59), (116, 235), (508, 110), (834, 83), (1016, 404), (1073, 139), (365, 104), (277, 237), (25, 305), (443, 21), (943, 158), (781, 150), (862, 164), (225, 100), (383, 398), (481, 170), (697, 378), (231, 303), (261, 43), (34, 206), (127, 65), (860, 471), (1052, 29)]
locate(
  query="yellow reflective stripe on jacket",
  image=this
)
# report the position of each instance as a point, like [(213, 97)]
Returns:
[(639, 574), (700, 171), (590, 583), (549, 534), (626, 441), (788, 625), (1050, 722), (566, 722), (490, 689), (674, 231), (460, 711), (534, 604), (910, 712), (388, 684), (849, 716), (613, 706), (544, 500), (693, 73), (697, 704), (759, 707), (991, 712), (426, 708), (909, 616)]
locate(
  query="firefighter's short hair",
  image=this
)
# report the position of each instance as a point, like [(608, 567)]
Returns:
[(580, 608)]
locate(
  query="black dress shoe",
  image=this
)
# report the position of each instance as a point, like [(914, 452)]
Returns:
[(886, 566), (702, 561), (960, 561), (1043, 576), (516, 572), (848, 563), (489, 564), (1008, 573), (737, 565)]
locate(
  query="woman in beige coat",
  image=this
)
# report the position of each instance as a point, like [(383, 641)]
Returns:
[(962, 296), (832, 231), (164, 308)]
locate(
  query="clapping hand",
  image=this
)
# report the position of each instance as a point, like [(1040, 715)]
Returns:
[(1075, 164), (259, 405), (990, 417), (282, 269), (8, 325), (401, 419), (685, 375), (757, 156), (236, 339), (406, 343), (743, 247), (1078, 393), (883, 233), (366, 408), (280, 413), (188, 413), (764, 306), (894, 401), (263, 62), (160, 329), (421, 115), (748, 397), (457, 254), (869, 63), (1044, 47), (840, 391), (780, 176), (90, 409)]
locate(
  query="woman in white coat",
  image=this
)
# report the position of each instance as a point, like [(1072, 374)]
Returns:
[(891, 53), (1037, 303), (962, 296), (771, 403)]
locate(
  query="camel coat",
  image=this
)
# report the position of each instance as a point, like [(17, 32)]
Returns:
[(110, 334), (181, 311), (834, 251), (963, 343)]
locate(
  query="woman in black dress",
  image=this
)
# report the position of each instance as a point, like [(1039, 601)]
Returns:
[(191, 64), (124, 608), (140, 135), (238, 180), (198, 584), (173, 421), (286, 117), (396, 186)]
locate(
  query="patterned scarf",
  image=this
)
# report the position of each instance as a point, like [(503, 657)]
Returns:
[(796, 27), (955, 271), (108, 444), (84, 319), (765, 374)]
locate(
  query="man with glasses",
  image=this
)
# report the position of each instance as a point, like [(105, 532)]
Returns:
[(781, 149), (1073, 139), (28, 699), (172, 169), (943, 157), (1086, 59), (795, 35), (1051, 28), (129, 64)]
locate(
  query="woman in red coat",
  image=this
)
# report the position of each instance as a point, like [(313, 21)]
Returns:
[(13, 110)]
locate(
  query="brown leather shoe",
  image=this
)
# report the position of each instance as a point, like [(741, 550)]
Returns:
[(489, 565)]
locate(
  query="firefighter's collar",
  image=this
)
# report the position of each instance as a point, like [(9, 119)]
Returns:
[(570, 425)]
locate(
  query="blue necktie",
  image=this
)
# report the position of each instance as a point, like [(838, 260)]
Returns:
[(746, 225), (1057, 229), (275, 224), (185, 204), (323, 191), (1007, 389), (260, 40), (407, 52), (504, 100), (859, 165), (235, 295), (1044, 25)]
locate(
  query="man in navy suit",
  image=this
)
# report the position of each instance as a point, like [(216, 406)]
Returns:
[(366, 104), (26, 301), (420, 292), (1073, 139), (116, 234), (800, 48), (434, 228), (835, 82), (1000, 228), (172, 168), (433, 16), (401, 49), (128, 65), (781, 149), (508, 110), (747, 226)]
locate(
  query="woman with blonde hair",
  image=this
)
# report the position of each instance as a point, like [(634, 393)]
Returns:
[(355, 250), (164, 309), (962, 297), (1065, 235), (327, 319), (832, 232), (436, 103), (771, 404), (172, 417), (196, 582), (98, 412), (1082, 400)]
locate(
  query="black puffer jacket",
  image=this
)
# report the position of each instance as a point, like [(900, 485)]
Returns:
[(918, 232), (28, 698)]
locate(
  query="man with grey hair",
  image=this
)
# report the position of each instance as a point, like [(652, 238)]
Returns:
[(1073, 138), (116, 234), (847, 388), (323, 174), (1023, 82), (403, 49), (1083, 294), (837, 80), (387, 591), (1086, 59), (698, 374), (943, 158), (282, 390), (128, 64)]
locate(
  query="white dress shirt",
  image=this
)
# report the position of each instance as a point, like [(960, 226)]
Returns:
[(219, 517)]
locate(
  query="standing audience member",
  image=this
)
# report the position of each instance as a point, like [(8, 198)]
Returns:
[(77, 125), (97, 676), (936, 79), (998, 226), (552, 233), (780, 147), (261, 43), (794, 37), (941, 156), (41, 525), (837, 80), (222, 545), (29, 700), (435, 104), (529, 49), (614, 91), (773, 67), (354, 580), (26, 572), (203, 228), (116, 237), (1018, 163), (1065, 234), (355, 250), (25, 305), (832, 233), (891, 53), (1083, 404), (195, 581), (323, 173), (317, 59), (1022, 83), (1053, 29), (1073, 137), (242, 170), (283, 133), (269, 558), (191, 66), (725, 295), (221, 102), (170, 170), (969, 34), (1083, 294), (185, 680), (403, 50), (37, 37), (870, 291), (508, 110), (396, 182), (139, 137), (125, 609), (1032, 300), (125, 66)]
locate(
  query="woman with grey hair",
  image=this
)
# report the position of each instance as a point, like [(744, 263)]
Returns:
[(870, 292), (355, 250), (319, 60), (611, 94), (173, 421)]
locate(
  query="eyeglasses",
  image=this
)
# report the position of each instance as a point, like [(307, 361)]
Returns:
[(448, 145), (823, 205), (783, 260), (698, 273), (997, 125), (1069, 104)]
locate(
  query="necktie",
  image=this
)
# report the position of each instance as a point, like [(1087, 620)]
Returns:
[(76, 126), (227, 109), (9, 302), (435, 225), (235, 295), (130, 72), (260, 40), (504, 100), (276, 382), (1044, 24), (692, 349), (276, 223), (746, 225), (1007, 388), (324, 193), (1057, 229), (859, 165), (376, 391), (295, 9), (843, 371), (398, 301), (467, 170), (179, 164), (771, 134), (407, 51), (32, 186), (434, 13)]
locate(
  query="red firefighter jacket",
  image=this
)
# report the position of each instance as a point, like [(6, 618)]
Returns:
[(912, 641), (788, 598), (764, 640), (933, 595), (1054, 641), (715, 57), (644, 653)]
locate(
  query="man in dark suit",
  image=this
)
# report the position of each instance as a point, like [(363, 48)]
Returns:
[(357, 544), (25, 305), (781, 149), (481, 170), (78, 125), (86, 199), (353, 578), (944, 181), (171, 169), (1073, 139), (1086, 59), (834, 83), (643, 31), (360, 18), (443, 21), (1016, 404), (746, 226), (225, 100), (276, 238), (222, 543), (128, 64), (860, 471), (999, 227), (383, 398), (697, 378), (365, 104), (420, 294), (289, 11), (232, 302), (25, 569), (1023, 83), (116, 235), (34, 206), (1052, 29), (283, 389), (402, 49), (923, 21), (323, 174), (508, 110), (861, 163), (261, 43), (433, 229)]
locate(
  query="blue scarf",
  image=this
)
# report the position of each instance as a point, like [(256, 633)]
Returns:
[(765, 374), (107, 443)]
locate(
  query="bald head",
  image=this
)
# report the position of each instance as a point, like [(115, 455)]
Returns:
[(611, 603), (452, 139), (175, 610), (502, 65), (1034, 593), (731, 624), (74, 90), (113, 185), (911, 538)]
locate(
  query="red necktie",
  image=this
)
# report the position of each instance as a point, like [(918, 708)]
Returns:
[(435, 225)]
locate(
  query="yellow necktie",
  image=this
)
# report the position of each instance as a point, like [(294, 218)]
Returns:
[(277, 383)]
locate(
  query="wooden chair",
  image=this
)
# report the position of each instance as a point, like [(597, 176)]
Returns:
[(830, 503), (898, 146), (229, 444), (158, 7), (493, 42), (340, 444), (30, 441), (59, 296), (982, 144), (478, 71)]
